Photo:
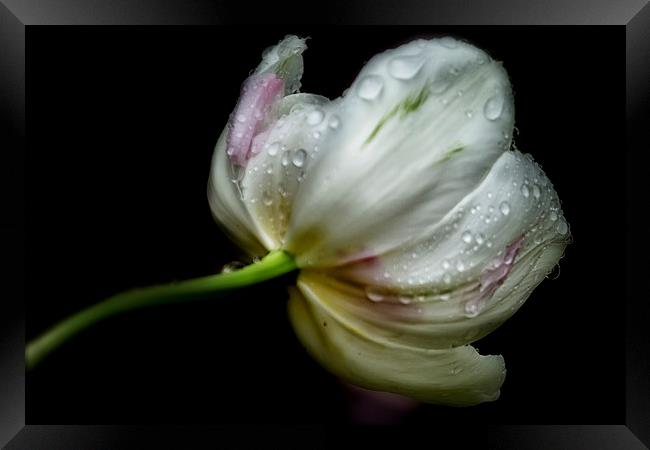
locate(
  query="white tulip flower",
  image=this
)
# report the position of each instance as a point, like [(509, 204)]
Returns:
[(416, 229)]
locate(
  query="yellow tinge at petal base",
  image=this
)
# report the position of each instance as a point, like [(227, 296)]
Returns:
[(456, 376)]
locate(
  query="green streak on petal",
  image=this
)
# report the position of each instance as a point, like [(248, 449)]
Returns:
[(450, 154), (407, 106)]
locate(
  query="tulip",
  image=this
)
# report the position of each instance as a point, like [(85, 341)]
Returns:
[(416, 229)]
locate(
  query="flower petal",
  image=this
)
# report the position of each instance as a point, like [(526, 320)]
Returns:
[(278, 74), (515, 200), (450, 288), (419, 129), (284, 159), (457, 377), (226, 204), (439, 321)]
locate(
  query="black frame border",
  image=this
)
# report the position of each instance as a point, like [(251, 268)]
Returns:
[(17, 16)]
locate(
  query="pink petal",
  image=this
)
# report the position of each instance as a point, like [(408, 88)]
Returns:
[(258, 95), (494, 276)]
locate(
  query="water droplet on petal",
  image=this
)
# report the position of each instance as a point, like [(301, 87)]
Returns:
[(493, 107), (460, 266), (553, 216), (405, 300), (299, 157), (267, 199), (562, 227), (504, 207), (405, 67), (536, 192), (471, 309), (373, 294), (466, 237), (524, 190), (286, 156), (370, 87), (445, 264), (232, 266), (315, 117), (274, 148), (334, 122)]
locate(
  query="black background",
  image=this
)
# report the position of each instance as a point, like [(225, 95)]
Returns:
[(122, 124)]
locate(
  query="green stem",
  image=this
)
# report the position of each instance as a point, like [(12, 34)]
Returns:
[(276, 263)]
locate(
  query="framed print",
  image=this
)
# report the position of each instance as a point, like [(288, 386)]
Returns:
[(135, 133)]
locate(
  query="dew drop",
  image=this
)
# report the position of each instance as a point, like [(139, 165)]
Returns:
[(536, 192), (286, 156), (373, 294), (445, 264), (504, 207), (562, 227), (524, 191), (493, 107), (370, 87), (460, 266), (299, 157), (334, 122), (405, 300), (553, 216), (315, 117), (267, 199), (469, 114), (274, 148), (405, 67), (466, 237), (480, 238), (471, 309), (241, 118), (232, 266)]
